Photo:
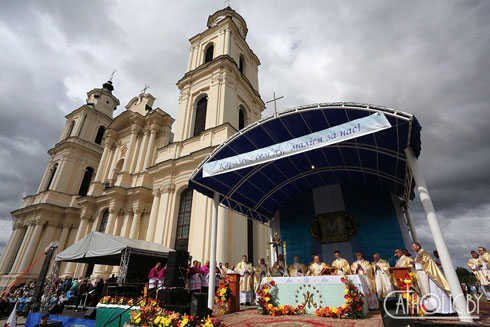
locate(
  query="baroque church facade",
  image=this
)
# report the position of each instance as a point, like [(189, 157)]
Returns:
[(129, 175)]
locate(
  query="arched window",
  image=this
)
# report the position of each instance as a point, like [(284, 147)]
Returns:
[(241, 65), (103, 221), (87, 178), (200, 121), (70, 129), (184, 220), (241, 118), (51, 176), (100, 134), (208, 55)]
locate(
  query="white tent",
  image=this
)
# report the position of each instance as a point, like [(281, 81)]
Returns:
[(101, 248)]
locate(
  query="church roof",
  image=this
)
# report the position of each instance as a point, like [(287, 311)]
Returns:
[(375, 160)]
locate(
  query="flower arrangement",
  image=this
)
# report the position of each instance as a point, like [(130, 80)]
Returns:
[(266, 307), (223, 295), (156, 317), (415, 306), (351, 309)]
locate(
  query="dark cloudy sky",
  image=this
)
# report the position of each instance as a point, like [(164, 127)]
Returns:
[(430, 58)]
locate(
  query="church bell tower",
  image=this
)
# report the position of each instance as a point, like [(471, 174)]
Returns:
[(220, 85)]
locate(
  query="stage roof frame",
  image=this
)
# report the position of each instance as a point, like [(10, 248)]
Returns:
[(375, 160)]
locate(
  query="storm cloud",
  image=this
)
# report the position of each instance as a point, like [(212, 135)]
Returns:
[(430, 58)]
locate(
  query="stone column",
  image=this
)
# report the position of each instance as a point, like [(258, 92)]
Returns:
[(142, 152), (100, 169), (23, 246), (137, 150), (70, 267), (150, 235), (189, 62), (65, 231), (135, 225), (129, 154), (31, 247), (227, 42), (111, 221), (110, 164), (10, 248), (127, 223), (149, 149)]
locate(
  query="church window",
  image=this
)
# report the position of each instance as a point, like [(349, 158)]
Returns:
[(103, 221), (200, 121), (100, 134), (241, 65), (70, 129), (242, 121), (208, 55), (51, 176), (184, 220), (87, 178)]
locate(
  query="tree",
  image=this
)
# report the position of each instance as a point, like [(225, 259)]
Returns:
[(465, 276)]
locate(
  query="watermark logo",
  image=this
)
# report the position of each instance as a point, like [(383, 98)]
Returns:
[(408, 304)]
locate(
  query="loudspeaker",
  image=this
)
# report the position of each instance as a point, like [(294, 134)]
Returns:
[(90, 314), (392, 318), (177, 259), (55, 309), (174, 297), (199, 305), (182, 309)]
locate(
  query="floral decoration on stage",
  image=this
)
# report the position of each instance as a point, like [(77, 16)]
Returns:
[(352, 309), (409, 293), (223, 295), (266, 305), (156, 317)]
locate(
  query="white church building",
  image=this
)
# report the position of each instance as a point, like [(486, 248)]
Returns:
[(129, 175)]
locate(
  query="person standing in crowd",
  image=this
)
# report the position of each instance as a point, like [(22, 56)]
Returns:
[(382, 281), (482, 274), (431, 282), (246, 271), (205, 277), (194, 277), (153, 277), (341, 265), (231, 270), (161, 278), (402, 260)]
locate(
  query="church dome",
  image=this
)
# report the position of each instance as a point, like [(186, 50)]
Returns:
[(218, 16)]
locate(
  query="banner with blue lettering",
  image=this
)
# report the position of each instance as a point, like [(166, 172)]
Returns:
[(336, 134)]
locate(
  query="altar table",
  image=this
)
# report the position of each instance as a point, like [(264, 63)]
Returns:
[(313, 292)]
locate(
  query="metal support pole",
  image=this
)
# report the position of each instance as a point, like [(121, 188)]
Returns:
[(441, 246), (413, 232), (212, 260)]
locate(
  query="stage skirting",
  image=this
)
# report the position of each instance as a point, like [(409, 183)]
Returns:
[(35, 317), (107, 312), (315, 292)]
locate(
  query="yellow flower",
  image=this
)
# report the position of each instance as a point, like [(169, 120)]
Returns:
[(266, 299), (346, 291), (269, 306), (407, 281), (344, 306), (268, 279), (334, 309), (266, 291), (184, 322)]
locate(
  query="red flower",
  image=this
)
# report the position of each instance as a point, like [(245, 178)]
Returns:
[(273, 283), (342, 280)]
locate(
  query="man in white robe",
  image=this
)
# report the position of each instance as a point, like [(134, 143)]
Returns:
[(280, 268), (246, 272), (382, 276), (482, 274), (431, 282)]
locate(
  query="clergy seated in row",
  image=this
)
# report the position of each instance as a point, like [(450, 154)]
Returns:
[(382, 281), (279, 269), (246, 272), (297, 269), (341, 265), (431, 281), (317, 268), (363, 267)]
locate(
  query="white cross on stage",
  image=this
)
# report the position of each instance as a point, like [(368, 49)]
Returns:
[(145, 88), (274, 100)]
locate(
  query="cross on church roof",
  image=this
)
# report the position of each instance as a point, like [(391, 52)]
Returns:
[(112, 75), (145, 88), (228, 3), (274, 100)]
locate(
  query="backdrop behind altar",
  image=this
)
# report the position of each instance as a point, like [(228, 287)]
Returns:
[(347, 218)]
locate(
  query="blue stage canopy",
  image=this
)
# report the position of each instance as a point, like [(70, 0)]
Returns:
[(375, 160)]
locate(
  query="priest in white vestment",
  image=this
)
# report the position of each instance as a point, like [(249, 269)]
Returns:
[(297, 269), (382, 279), (362, 267), (246, 272), (261, 272), (431, 282), (482, 274), (280, 268)]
